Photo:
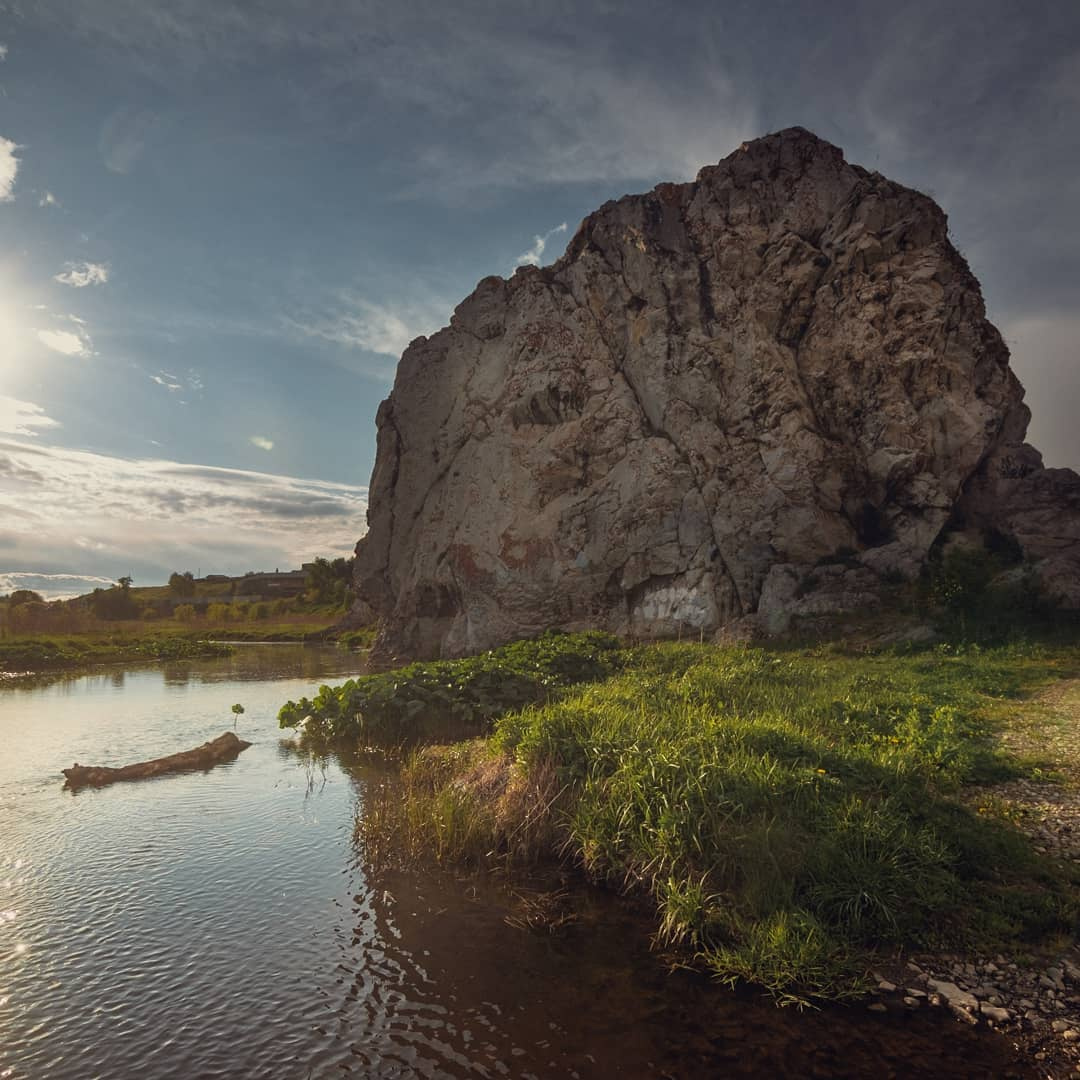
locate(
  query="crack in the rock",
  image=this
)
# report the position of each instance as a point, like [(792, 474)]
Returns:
[(619, 358)]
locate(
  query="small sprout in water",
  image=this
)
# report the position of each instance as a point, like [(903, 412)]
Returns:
[(238, 711)]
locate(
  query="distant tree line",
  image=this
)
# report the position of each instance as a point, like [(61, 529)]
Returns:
[(217, 600)]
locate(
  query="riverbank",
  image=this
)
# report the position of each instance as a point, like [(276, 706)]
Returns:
[(40, 653), (31, 654), (797, 818)]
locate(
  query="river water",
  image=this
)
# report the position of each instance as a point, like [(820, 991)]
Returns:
[(222, 924)]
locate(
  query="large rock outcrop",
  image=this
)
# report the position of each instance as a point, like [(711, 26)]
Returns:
[(752, 394)]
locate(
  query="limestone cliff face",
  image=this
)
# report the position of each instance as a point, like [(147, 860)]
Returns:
[(719, 385)]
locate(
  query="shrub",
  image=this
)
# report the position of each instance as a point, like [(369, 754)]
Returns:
[(447, 695)]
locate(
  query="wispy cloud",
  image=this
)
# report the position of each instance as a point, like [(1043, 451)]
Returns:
[(74, 512), (533, 256), (47, 198), (22, 417), (66, 342), (124, 136), (79, 275), (9, 167), (190, 383), (167, 380), (3, 51), (384, 329), (262, 442), (511, 101)]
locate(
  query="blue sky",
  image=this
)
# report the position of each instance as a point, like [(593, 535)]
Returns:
[(220, 222)]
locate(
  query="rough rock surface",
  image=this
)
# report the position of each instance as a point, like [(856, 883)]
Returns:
[(731, 400)]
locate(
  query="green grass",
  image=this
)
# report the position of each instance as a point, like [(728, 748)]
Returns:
[(788, 813)]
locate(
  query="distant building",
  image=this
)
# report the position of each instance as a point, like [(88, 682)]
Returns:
[(277, 583)]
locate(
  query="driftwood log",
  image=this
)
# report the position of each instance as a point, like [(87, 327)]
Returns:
[(223, 748)]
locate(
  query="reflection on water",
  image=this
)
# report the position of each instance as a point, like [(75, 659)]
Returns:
[(221, 923)]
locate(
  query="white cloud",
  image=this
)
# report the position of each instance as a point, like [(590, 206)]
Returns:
[(74, 512), (262, 442), (9, 166), (64, 341), (47, 198), (533, 255), (190, 383), (385, 329), (79, 275), (3, 51), (53, 586), (21, 417)]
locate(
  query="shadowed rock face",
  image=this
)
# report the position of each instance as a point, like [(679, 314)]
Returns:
[(719, 385)]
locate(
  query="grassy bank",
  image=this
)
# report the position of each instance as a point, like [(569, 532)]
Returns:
[(787, 813), (41, 652), (120, 641)]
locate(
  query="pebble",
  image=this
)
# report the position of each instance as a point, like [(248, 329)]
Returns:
[(877, 1007), (952, 993), (1006, 996), (994, 1014)]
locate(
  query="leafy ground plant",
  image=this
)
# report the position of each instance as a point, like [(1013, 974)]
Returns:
[(447, 696)]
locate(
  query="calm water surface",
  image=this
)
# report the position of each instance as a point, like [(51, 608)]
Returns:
[(220, 924)]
